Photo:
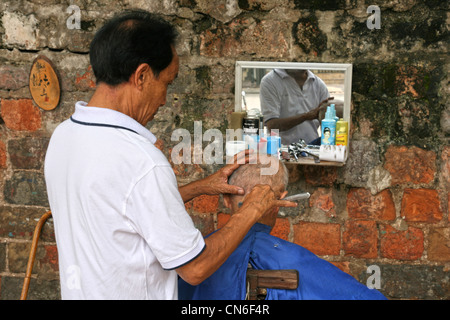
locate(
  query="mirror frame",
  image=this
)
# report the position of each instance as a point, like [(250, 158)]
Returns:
[(347, 68)]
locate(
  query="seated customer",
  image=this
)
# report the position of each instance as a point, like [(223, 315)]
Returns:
[(318, 279)]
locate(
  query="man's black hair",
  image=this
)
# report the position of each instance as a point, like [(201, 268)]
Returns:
[(128, 40)]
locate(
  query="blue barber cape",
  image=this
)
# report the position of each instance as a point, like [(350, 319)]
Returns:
[(318, 279)]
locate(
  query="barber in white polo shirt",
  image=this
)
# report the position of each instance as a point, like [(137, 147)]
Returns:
[(291, 102), (121, 227)]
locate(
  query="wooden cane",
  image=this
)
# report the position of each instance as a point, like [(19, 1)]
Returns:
[(37, 233)]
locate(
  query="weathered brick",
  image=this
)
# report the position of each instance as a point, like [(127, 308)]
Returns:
[(85, 80), (364, 156), (246, 35), (445, 166), (40, 289), (295, 172), (205, 203), (320, 238), (222, 219), (308, 35), (49, 262), (281, 229), (18, 254), (184, 170), (221, 10), (12, 77), (204, 223), (409, 80), (410, 165), (320, 176), (21, 115), (26, 188), (413, 282), (401, 245), (20, 30), (361, 204), (2, 260), (322, 199), (20, 222), (360, 239), (27, 153), (2, 155), (439, 244), (46, 259), (421, 205), (44, 289)]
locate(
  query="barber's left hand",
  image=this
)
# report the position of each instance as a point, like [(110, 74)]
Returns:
[(217, 183)]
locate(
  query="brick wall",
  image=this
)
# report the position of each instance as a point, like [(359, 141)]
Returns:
[(388, 207)]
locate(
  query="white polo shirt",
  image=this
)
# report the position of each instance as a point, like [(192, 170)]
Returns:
[(281, 97), (120, 222)]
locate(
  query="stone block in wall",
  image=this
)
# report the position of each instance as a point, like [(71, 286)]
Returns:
[(221, 10), (445, 120), (361, 204), (204, 223), (308, 36), (20, 222), (445, 167), (46, 259), (421, 205), (21, 114), (439, 244), (2, 259), (363, 157), (13, 77), (222, 219), (413, 282), (323, 4), (26, 188), (320, 238), (3, 155), (281, 229), (27, 153), (206, 203), (247, 36), (320, 176), (360, 239), (20, 30), (322, 199), (401, 245), (40, 289), (410, 165)]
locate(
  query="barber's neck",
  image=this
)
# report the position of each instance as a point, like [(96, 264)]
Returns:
[(118, 98)]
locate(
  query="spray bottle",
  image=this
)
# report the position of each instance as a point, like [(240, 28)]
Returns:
[(329, 127)]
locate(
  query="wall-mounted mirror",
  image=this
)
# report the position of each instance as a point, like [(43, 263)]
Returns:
[(279, 92)]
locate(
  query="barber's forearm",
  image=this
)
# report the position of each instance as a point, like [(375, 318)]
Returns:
[(284, 124), (191, 190), (219, 247)]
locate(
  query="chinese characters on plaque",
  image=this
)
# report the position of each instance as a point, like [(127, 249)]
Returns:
[(44, 84)]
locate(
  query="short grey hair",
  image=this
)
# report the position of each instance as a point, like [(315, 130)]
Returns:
[(249, 175)]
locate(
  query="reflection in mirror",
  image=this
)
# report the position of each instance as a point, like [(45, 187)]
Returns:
[(293, 98)]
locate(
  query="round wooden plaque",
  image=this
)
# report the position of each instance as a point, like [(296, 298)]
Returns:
[(44, 84)]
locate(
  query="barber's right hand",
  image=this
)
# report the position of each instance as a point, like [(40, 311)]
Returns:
[(265, 200)]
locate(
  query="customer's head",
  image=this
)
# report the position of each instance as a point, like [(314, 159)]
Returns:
[(249, 175), (128, 40)]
